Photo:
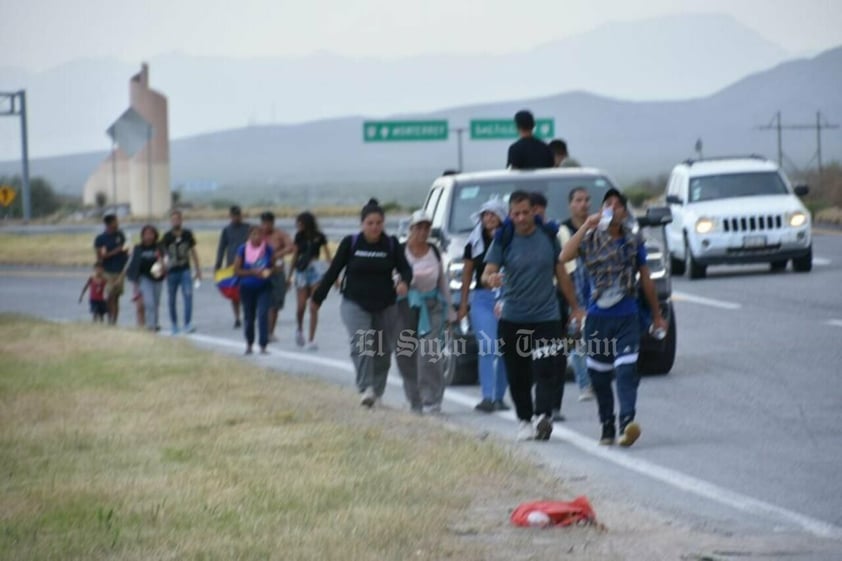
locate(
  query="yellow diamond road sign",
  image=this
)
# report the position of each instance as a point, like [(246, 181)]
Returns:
[(7, 195)]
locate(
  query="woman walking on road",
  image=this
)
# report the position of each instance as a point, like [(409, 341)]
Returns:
[(307, 272), (146, 271), (254, 266), (422, 318), (369, 293), (492, 370)]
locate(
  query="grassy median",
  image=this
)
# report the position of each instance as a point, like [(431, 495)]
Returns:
[(77, 250), (117, 444)]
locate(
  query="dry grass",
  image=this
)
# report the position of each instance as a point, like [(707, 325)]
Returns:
[(119, 444), (832, 215), (76, 250)]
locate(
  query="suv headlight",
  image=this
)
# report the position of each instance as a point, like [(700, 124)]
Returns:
[(704, 225), (797, 219)]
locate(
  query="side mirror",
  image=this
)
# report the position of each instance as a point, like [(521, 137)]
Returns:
[(802, 190), (674, 200), (438, 235), (656, 216)]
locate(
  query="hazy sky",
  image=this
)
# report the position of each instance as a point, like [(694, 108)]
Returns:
[(37, 34)]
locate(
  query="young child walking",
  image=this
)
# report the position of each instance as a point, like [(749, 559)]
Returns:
[(96, 283)]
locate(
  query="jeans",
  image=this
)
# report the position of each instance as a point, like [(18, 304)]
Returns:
[(534, 352), (372, 339), (492, 368), (255, 302), (183, 279), (150, 291), (577, 358), (612, 345)]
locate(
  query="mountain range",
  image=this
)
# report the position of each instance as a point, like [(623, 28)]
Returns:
[(629, 139), (71, 105)]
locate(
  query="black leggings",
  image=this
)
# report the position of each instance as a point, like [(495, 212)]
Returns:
[(533, 353)]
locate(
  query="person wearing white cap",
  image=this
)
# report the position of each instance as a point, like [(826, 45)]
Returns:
[(423, 315), (492, 371)]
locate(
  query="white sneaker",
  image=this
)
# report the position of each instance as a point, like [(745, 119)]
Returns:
[(311, 346), (368, 398), (586, 394), (299, 338), (525, 431)]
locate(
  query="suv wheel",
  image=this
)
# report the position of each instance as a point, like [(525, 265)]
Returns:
[(677, 266), (694, 269), (803, 264), (660, 362), (778, 266), (459, 369)]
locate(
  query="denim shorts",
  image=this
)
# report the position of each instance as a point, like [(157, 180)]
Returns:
[(310, 276)]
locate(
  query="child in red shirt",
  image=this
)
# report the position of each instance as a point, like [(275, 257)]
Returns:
[(97, 283)]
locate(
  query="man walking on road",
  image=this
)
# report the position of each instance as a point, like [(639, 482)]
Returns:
[(579, 202), (179, 246), (235, 234), (530, 326), (282, 245), (614, 255), (112, 251), (528, 152)]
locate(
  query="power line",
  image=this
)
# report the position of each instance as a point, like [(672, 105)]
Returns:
[(820, 125)]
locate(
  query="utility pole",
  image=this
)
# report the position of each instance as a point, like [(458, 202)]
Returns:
[(819, 125), (20, 110), (459, 132)]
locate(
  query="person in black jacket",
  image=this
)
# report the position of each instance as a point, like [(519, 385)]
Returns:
[(146, 271), (369, 293)]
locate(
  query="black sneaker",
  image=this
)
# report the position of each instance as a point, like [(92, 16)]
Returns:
[(486, 406), (500, 405), (609, 433), (237, 324), (544, 428)]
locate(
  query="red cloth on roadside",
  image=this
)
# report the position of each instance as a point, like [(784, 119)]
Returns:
[(561, 513)]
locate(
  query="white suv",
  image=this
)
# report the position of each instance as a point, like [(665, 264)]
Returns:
[(734, 211)]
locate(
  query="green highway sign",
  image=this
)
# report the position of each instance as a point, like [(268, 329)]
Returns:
[(400, 131), (504, 129)]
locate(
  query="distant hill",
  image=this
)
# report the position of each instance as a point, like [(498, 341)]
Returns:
[(675, 57), (628, 139)]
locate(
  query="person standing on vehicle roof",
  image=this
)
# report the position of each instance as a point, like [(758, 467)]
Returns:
[(492, 370), (530, 326), (614, 255), (528, 152), (423, 317), (561, 158), (369, 293)]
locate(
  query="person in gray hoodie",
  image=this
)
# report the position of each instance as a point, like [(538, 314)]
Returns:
[(235, 234)]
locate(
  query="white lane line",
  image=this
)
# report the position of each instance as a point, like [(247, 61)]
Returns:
[(588, 445), (821, 261), (721, 304), (835, 322)]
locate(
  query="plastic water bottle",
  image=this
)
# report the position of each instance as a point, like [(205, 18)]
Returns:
[(658, 333), (573, 329), (607, 217)]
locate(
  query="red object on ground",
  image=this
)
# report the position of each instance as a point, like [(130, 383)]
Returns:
[(561, 513)]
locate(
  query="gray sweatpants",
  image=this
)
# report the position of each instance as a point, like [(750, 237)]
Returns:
[(420, 358), (372, 339), (150, 291)]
